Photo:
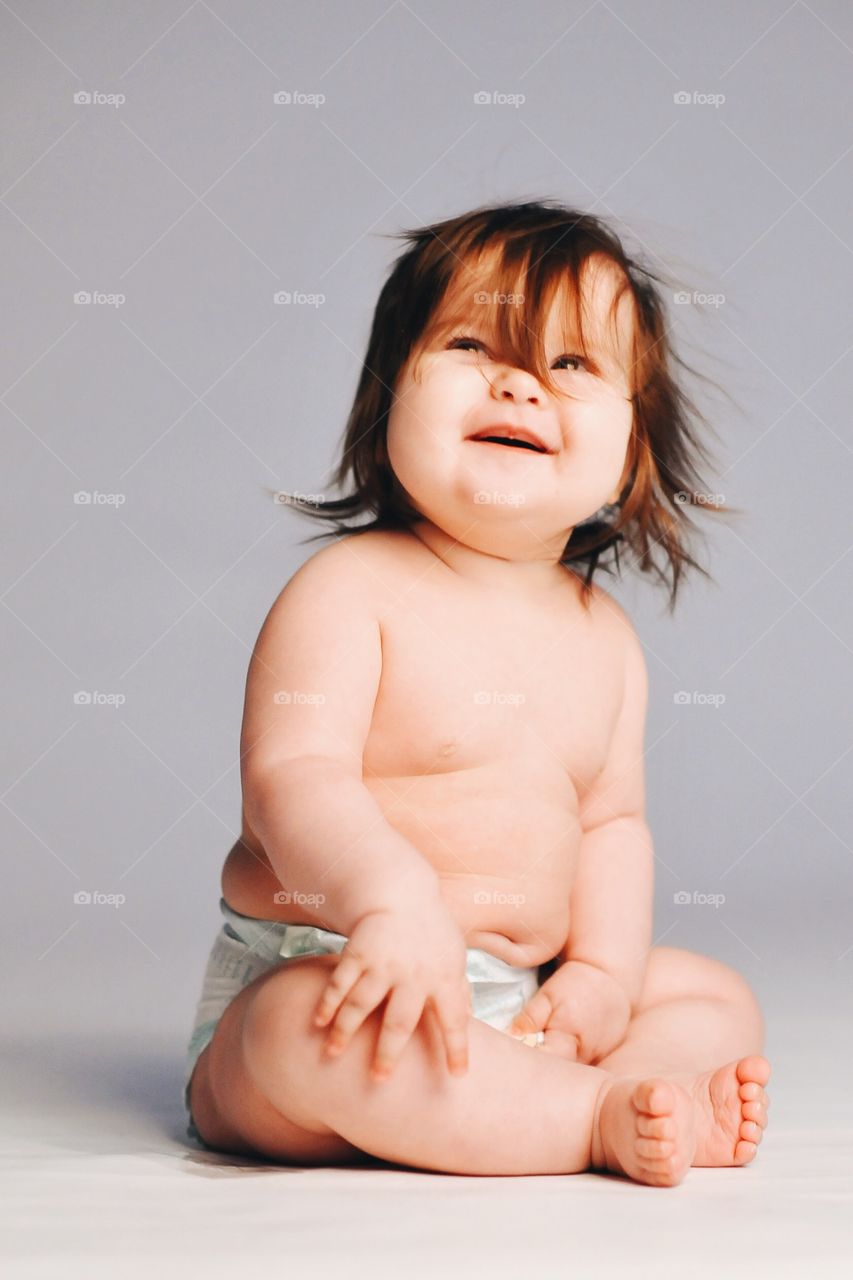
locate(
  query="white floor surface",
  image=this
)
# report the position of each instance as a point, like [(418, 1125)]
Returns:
[(99, 1180)]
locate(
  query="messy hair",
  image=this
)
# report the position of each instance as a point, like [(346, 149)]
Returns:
[(528, 251)]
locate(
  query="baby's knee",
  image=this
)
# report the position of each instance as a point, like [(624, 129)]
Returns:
[(280, 1016), (279, 1033), (732, 985)]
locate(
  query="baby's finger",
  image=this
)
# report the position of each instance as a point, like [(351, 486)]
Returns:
[(533, 1017), (346, 973), (401, 1017), (368, 992), (563, 1043), (452, 1009)]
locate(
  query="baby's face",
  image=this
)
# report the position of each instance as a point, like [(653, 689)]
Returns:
[(505, 500)]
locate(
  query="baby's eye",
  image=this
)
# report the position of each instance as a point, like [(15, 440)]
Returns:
[(459, 343), (579, 361)]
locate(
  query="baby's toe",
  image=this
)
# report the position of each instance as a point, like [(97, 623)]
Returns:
[(653, 1149), (655, 1097), (750, 1132), (745, 1151), (753, 1069), (666, 1172), (657, 1126), (751, 1092), (755, 1111)]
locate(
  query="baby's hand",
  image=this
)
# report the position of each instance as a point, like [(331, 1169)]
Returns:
[(583, 1012), (415, 957)]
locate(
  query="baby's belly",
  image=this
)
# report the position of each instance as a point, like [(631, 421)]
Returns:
[(504, 847), (502, 839)]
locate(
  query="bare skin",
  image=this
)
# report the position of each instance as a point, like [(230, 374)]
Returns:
[(498, 795), (656, 1105), (265, 1086)]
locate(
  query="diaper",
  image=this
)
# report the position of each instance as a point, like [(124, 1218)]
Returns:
[(244, 948)]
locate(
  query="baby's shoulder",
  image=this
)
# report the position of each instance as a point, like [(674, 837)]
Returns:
[(611, 621), (368, 549), (353, 564)]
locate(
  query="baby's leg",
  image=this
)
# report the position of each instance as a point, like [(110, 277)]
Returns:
[(518, 1110), (694, 1014)]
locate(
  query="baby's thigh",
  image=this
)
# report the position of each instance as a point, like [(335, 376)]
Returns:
[(674, 974), (271, 1016)]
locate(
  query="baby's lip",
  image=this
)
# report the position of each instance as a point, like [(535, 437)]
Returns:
[(510, 431)]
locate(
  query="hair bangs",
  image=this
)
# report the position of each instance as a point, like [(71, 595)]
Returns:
[(503, 295), (500, 269)]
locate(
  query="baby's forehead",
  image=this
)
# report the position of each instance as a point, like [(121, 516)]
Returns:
[(604, 307), (478, 289)]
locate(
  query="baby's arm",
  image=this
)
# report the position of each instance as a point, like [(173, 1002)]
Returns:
[(301, 758), (611, 912), (584, 1008)]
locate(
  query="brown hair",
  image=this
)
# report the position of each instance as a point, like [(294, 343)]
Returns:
[(529, 250)]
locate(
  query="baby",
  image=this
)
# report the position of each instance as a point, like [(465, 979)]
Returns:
[(437, 947)]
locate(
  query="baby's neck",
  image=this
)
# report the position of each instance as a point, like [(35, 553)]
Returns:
[(536, 574)]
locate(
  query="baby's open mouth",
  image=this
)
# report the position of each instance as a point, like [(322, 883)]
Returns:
[(515, 444), (512, 442)]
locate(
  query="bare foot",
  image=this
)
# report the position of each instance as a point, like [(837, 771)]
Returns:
[(653, 1130), (645, 1129), (731, 1111)]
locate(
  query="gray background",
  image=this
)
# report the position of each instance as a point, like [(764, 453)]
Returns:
[(198, 198)]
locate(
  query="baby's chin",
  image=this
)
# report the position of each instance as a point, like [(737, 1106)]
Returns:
[(506, 535), (514, 522)]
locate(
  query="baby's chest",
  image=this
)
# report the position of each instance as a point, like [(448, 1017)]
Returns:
[(461, 692)]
